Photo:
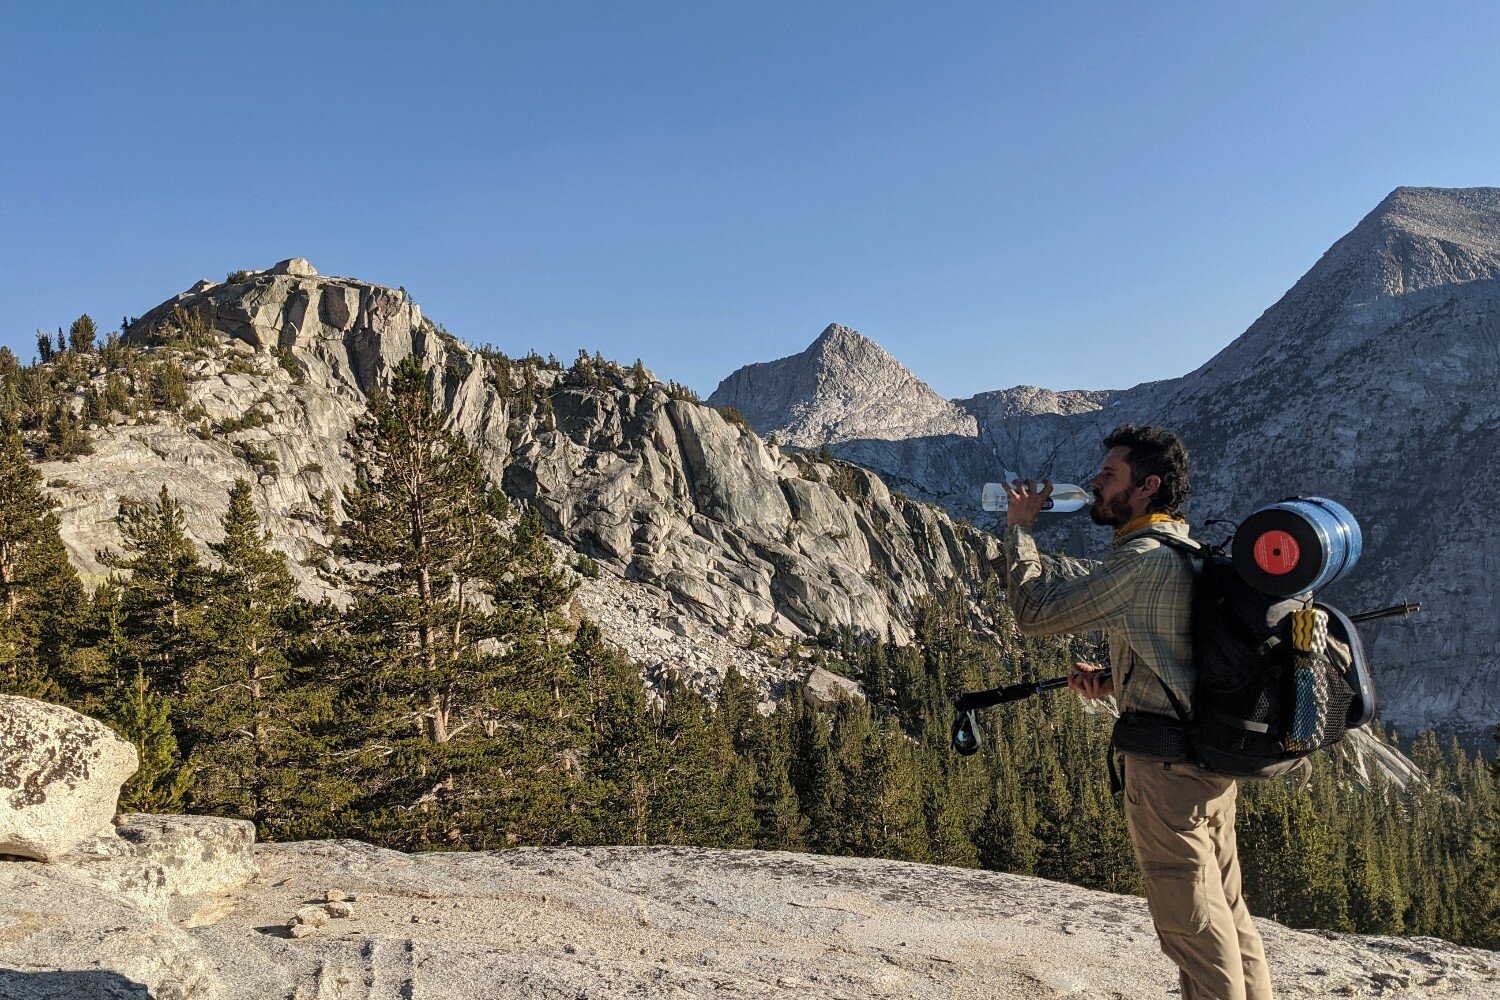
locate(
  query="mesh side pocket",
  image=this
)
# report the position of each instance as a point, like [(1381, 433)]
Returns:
[(1339, 696)]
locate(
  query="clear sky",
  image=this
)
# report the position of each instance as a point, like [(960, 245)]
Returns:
[(1073, 195)]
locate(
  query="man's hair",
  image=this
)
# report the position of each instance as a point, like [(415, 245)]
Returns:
[(1155, 451)]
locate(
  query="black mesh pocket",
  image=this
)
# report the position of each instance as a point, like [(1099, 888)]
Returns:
[(1339, 696)]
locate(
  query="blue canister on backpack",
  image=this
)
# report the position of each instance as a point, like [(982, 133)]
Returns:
[(1296, 545)]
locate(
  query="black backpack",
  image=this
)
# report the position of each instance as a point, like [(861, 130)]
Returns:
[(1259, 706)]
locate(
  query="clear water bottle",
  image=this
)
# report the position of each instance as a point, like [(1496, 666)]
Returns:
[(1065, 496)]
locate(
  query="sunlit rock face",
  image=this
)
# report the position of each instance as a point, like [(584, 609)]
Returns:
[(718, 539), (1372, 382)]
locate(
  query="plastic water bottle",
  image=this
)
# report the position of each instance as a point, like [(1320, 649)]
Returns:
[(1065, 496)]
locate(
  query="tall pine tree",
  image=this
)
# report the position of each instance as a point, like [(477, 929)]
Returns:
[(248, 719), (456, 676), (41, 599)]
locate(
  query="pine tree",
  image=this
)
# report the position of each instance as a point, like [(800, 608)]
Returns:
[(702, 789), (1480, 904), (881, 812), (166, 386), (81, 335), (116, 394), (241, 711), (93, 407), (1005, 841), (780, 825), (453, 633), (66, 437), (162, 601), (143, 716), (1374, 904), (41, 599), (621, 749), (815, 776), (946, 813)]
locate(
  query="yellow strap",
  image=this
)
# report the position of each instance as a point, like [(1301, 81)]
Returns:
[(1145, 521)]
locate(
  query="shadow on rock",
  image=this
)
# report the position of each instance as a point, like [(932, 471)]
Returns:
[(92, 984)]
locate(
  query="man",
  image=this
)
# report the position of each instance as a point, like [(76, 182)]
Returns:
[(1181, 818)]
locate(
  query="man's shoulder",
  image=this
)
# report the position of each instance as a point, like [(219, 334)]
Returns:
[(1153, 543)]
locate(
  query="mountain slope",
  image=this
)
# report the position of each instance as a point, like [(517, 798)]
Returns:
[(1374, 382)]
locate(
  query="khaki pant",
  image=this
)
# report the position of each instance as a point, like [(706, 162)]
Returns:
[(1181, 823)]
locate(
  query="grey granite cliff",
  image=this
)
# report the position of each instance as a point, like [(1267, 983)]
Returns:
[(710, 540)]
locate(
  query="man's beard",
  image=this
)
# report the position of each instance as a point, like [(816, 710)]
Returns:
[(1111, 513)]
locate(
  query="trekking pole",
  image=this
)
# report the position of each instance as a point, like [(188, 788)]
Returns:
[(1403, 609), (965, 730)]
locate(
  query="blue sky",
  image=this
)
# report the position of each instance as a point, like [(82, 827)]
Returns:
[(1063, 194)]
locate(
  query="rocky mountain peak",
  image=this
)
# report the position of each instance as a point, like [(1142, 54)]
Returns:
[(838, 339), (1420, 238), (843, 387)]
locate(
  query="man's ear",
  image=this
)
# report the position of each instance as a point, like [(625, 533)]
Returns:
[(1151, 484)]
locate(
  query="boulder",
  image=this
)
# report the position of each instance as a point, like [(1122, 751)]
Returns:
[(197, 855), (824, 689), (60, 777), (296, 265)]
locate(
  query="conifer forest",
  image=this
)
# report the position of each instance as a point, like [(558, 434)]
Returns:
[(452, 705)]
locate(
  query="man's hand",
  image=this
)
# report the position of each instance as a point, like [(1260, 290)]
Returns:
[(1083, 679), (1025, 501)]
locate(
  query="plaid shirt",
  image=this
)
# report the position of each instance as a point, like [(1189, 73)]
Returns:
[(1140, 596)]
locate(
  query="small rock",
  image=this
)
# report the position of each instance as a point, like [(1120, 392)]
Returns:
[(313, 916), (339, 908), (297, 930), (335, 896)]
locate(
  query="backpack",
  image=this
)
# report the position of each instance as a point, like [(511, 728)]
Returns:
[(1277, 678)]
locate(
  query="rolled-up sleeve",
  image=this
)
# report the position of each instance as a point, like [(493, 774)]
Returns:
[(1050, 595)]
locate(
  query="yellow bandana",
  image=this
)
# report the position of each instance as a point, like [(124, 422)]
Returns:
[(1145, 521)]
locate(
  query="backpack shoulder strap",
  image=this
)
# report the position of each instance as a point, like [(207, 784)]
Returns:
[(1198, 550), (1187, 545)]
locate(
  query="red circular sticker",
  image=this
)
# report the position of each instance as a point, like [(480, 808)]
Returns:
[(1277, 553)]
